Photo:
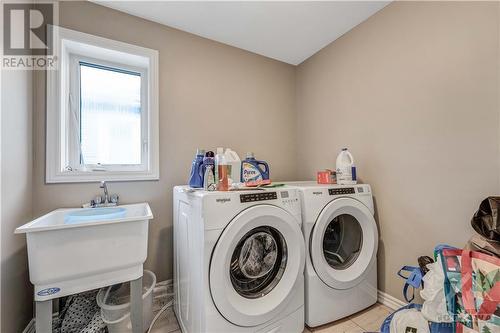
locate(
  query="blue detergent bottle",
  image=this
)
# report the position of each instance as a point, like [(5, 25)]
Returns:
[(253, 170), (196, 176)]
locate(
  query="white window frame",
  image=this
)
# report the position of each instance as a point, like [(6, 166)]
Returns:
[(63, 86)]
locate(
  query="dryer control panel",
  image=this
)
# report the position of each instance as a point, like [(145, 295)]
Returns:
[(341, 191), (261, 196)]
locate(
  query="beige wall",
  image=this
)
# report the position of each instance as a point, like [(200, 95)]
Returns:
[(210, 95), (413, 93), (16, 147)]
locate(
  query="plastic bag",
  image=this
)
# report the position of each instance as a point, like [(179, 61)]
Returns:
[(485, 220), (386, 325), (409, 320), (434, 307), (434, 327), (484, 245)]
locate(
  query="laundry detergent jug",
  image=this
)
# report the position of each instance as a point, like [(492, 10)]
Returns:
[(253, 170), (196, 176), (345, 169), (234, 166)]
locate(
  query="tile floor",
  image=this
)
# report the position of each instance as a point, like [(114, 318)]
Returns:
[(368, 320)]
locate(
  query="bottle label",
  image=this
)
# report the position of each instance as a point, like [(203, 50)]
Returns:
[(344, 174), (222, 181), (251, 172)]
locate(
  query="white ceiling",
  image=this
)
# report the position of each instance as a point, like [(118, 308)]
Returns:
[(288, 31)]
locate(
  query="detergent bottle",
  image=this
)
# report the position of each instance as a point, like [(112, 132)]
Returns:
[(221, 171), (234, 166), (196, 176), (346, 171), (253, 170), (208, 171)]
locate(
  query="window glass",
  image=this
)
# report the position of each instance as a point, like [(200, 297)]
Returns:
[(110, 115)]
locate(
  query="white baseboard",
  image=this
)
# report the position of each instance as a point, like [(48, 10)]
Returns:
[(390, 301)]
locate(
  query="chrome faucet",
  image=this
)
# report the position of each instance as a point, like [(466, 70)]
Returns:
[(103, 201), (105, 188)]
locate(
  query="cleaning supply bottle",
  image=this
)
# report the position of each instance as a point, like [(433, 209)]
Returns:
[(208, 171), (234, 166), (253, 170), (221, 171), (346, 171), (196, 176)]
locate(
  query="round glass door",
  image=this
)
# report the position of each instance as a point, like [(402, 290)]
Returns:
[(342, 241), (258, 262), (254, 269)]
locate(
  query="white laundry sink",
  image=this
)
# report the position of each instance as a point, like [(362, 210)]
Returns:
[(74, 250)]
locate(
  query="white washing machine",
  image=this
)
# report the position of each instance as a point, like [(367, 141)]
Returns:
[(238, 261), (341, 240)]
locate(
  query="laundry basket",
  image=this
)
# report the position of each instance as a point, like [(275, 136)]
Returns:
[(114, 302)]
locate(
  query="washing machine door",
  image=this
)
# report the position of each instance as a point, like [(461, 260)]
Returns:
[(344, 243), (255, 265)]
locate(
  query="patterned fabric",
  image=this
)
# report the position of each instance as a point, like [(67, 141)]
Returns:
[(81, 314), (472, 289)]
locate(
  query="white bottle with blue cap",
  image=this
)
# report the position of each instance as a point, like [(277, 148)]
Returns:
[(344, 166)]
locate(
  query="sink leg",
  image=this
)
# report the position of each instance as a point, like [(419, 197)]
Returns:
[(43, 319), (136, 305)]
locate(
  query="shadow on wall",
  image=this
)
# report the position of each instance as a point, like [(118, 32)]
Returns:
[(14, 313), (166, 245), (381, 247), (381, 264)]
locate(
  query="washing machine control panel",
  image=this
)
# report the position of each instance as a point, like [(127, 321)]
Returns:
[(341, 191), (252, 197)]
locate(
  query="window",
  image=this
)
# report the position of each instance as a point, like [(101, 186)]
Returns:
[(110, 116), (102, 111)]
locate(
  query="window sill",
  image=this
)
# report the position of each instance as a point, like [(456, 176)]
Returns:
[(96, 176)]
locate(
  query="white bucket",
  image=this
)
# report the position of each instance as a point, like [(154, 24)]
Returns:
[(115, 304)]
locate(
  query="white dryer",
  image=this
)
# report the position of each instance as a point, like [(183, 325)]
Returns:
[(341, 240), (238, 261)]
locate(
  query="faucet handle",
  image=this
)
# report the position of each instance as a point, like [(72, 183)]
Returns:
[(114, 198)]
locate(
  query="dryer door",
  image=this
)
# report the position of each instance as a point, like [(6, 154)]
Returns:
[(255, 265), (344, 243)]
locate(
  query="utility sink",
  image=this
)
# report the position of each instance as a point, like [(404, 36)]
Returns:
[(74, 250)]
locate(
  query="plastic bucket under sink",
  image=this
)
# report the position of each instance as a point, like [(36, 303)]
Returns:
[(114, 302)]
